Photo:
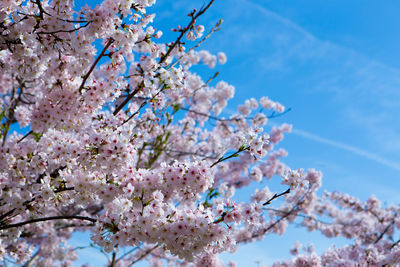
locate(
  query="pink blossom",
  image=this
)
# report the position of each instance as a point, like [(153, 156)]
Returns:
[(128, 143)]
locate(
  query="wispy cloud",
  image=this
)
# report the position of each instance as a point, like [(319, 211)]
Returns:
[(362, 92), (363, 153)]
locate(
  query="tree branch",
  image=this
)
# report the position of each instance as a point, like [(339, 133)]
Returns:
[(144, 255), (127, 99), (127, 253), (233, 155), (63, 217), (30, 261), (214, 29), (113, 259), (25, 136), (67, 31), (276, 196), (86, 76), (191, 24), (384, 231), (273, 115)]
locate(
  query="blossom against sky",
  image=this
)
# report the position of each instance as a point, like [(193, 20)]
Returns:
[(334, 63)]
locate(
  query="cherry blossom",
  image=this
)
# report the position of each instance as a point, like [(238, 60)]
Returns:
[(119, 138)]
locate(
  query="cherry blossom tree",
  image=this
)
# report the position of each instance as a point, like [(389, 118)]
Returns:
[(125, 142)]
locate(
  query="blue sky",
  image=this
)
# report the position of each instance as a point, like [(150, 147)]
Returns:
[(336, 64), (327, 61)]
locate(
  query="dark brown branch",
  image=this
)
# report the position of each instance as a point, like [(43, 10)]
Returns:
[(41, 9), (127, 253), (395, 244), (94, 64), (40, 16), (221, 218), (273, 115), (74, 225), (113, 259), (64, 189), (127, 99), (207, 115), (5, 215), (384, 232), (64, 217), (214, 29), (191, 24), (53, 174), (146, 100), (276, 196), (302, 216), (30, 261), (293, 210), (10, 114), (233, 155), (65, 20), (134, 114), (144, 255), (185, 153), (25, 136), (265, 230), (66, 31)]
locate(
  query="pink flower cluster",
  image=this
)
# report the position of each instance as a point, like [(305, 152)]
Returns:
[(125, 142)]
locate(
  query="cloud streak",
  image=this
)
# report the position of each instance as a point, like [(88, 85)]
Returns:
[(357, 151), (364, 90)]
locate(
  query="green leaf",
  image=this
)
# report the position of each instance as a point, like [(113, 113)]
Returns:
[(37, 136)]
